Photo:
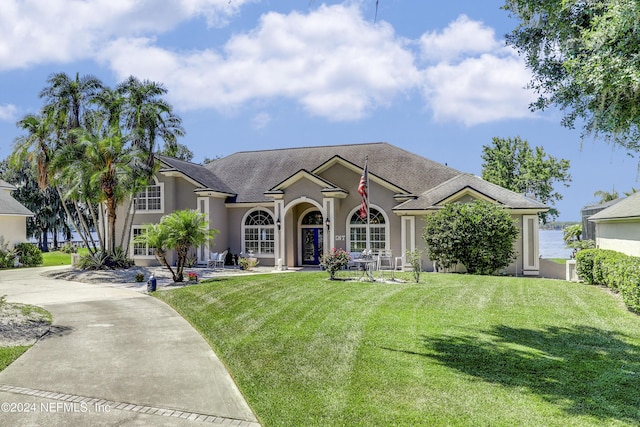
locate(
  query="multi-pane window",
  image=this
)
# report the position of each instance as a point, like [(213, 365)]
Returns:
[(259, 233), (358, 231), (149, 199), (140, 249)]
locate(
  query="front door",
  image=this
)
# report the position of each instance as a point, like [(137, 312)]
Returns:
[(311, 246)]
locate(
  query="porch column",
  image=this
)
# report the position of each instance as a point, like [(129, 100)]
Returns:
[(530, 246), (329, 208), (407, 236), (280, 253)]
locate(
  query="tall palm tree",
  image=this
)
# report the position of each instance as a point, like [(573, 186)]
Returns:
[(36, 145), (106, 163), (148, 117), (68, 99)]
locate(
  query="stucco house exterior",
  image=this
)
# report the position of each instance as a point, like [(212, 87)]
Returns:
[(618, 226), (13, 216), (288, 206)]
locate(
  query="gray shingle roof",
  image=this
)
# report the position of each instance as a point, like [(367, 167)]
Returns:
[(198, 173), (627, 208), (9, 205), (249, 174), (430, 198)]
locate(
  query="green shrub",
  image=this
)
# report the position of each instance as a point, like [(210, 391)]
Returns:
[(584, 265), (479, 235), (68, 248), (614, 270), (29, 254)]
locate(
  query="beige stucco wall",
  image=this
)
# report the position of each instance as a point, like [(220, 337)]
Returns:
[(13, 229), (619, 236)]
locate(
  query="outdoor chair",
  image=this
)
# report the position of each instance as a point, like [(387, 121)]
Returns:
[(217, 260), (386, 263)]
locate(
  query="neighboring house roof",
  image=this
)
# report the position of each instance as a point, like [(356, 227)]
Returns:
[(624, 209), (250, 174), (602, 206), (469, 184), (8, 205)]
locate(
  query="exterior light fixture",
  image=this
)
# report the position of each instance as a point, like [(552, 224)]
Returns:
[(278, 223), (328, 223)]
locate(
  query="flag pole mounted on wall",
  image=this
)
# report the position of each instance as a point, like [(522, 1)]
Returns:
[(363, 190)]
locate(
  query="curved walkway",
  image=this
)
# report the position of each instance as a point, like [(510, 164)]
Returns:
[(113, 357)]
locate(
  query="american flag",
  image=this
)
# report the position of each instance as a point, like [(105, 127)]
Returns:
[(363, 191)]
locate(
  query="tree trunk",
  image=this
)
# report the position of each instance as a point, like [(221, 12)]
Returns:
[(45, 240)]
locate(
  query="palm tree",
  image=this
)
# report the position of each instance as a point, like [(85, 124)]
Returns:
[(185, 229), (606, 196), (106, 164), (36, 145), (68, 99), (155, 236), (148, 117)]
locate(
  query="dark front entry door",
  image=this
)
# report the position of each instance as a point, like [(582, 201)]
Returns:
[(311, 246)]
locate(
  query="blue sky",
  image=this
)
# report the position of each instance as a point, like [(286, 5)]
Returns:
[(434, 78)]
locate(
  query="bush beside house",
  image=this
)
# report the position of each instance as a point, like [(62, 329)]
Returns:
[(613, 269)]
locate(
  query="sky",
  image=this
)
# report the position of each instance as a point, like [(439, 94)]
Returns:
[(434, 78)]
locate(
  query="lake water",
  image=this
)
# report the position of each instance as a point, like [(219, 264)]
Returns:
[(552, 245)]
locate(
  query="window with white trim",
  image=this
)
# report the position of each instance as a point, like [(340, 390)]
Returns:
[(259, 233), (140, 250), (358, 231), (150, 198)]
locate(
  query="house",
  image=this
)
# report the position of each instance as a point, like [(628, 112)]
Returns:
[(618, 226), (589, 227), (288, 206), (13, 216)]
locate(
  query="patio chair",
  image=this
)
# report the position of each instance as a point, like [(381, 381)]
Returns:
[(219, 262), (386, 263), (213, 257)]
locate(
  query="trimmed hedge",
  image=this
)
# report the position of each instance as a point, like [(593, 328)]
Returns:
[(612, 269)]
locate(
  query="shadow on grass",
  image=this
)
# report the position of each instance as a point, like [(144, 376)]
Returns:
[(583, 370)]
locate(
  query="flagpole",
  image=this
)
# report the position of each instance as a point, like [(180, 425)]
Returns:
[(366, 163)]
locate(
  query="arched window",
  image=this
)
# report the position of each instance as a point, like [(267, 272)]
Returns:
[(259, 233), (358, 231)]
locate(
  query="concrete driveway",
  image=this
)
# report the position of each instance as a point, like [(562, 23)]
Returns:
[(113, 357)]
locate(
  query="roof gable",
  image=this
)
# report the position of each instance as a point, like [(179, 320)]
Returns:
[(469, 185)]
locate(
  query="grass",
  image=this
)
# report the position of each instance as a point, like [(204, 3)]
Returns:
[(33, 313), (455, 350), (53, 258), (558, 260), (9, 354)]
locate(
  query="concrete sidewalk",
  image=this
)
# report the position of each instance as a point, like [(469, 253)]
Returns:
[(113, 357)]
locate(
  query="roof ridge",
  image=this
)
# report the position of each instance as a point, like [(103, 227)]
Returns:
[(312, 147)]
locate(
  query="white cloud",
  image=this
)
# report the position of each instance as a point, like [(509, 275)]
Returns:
[(332, 61), (462, 37), (473, 78), (8, 112), (479, 90), (36, 31)]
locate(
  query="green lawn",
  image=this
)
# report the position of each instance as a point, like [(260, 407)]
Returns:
[(453, 350), (59, 258)]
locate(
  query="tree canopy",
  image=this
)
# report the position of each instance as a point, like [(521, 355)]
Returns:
[(513, 164), (585, 59)]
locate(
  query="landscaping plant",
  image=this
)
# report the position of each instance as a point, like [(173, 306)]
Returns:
[(480, 235), (335, 260)]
